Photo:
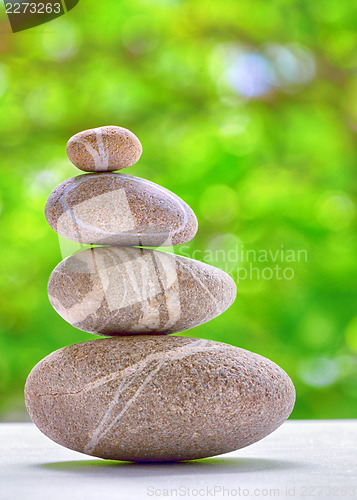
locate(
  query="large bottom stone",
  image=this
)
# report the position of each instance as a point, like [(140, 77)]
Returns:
[(153, 398)]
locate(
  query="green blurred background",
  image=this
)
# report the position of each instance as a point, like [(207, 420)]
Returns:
[(246, 110)]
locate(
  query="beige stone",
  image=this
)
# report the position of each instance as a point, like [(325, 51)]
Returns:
[(119, 209), (104, 149), (123, 290), (157, 398)]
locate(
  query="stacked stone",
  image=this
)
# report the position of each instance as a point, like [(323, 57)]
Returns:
[(140, 395)]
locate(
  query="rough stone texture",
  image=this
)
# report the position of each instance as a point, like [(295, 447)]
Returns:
[(119, 209), (157, 398), (104, 149), (121, 291)]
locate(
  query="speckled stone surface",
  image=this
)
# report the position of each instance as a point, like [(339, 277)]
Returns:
[(157, 398), (120, 291), (119, 209), (104, 149)]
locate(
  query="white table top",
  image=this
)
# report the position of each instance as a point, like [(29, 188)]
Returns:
[(302, 459)]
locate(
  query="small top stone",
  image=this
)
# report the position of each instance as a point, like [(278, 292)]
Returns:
[(104, 149)]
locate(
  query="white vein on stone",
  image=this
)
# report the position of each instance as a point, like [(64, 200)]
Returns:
[(205, 288), (101, 430), (100, 156), (175, 353), (87, 215), (125, 283), (136, 369), (103, 151), (79, 224)]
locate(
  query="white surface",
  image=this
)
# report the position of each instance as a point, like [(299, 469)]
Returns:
[(312, 459)]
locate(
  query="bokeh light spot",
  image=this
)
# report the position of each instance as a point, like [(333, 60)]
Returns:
[(316, 330), (46, 105), (3, 80), (219, 203), (61, 42), (351, 334), (224, 249), (250, 74), (318, 372), (335, 211), (39, 184), (234, 126), (292, 64)]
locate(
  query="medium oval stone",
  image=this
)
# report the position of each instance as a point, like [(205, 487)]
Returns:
[(157, 399), (123, 291), (104, 149), (119, 209)]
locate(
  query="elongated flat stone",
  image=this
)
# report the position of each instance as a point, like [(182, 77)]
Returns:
[(104, 149), (121, 291), (157, 399), (119, 209)]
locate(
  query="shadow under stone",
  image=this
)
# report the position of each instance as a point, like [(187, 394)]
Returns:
[(204, 466)]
